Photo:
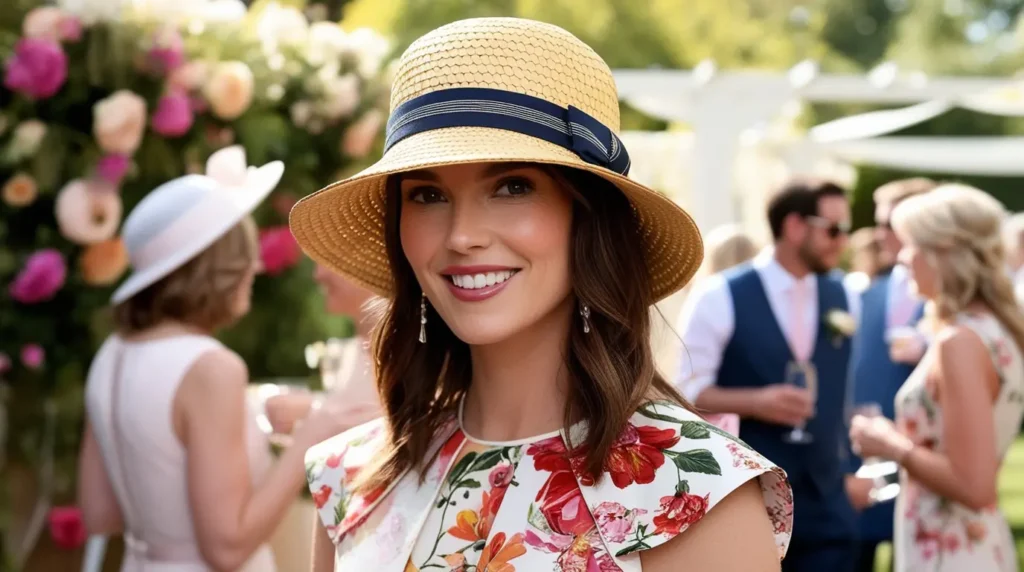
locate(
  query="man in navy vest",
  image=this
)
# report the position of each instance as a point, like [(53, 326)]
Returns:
[(745, 329), (886, 306)]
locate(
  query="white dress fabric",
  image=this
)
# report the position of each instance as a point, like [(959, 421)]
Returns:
[(129, 397), (935, 534)]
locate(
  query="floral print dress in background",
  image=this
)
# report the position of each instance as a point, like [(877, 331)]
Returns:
[(527, 505), (934, 534)]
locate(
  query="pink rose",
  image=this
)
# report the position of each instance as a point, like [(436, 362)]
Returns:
[(66, 527), (173, 115), (43, 275), (119, 122), (37, 69), (167, 53), (33, 356), (615, 522), (501, 475), (278, 249), (112, 168)]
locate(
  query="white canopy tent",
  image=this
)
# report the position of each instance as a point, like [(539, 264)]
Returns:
[(730, 114)]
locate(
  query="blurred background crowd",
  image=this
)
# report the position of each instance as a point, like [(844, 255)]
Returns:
[(724, 102)]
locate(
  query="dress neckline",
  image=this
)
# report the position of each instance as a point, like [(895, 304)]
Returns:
[(513, 443)]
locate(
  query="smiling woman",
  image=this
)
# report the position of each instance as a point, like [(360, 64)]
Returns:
[(526, 426)]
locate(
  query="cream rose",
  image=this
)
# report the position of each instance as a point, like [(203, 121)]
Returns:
[(119, 121), (27, 138), (189, 77), (88, 211), (229, 90), (842, 322)]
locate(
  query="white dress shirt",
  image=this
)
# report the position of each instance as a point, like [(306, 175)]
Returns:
[(706, 321), (901, 301)]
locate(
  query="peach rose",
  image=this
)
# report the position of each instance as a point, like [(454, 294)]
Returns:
[(104, 262), (189, 77), (229, 89), (20, 190), (88, 211), (360, 136), (51, 23), (119, 121)]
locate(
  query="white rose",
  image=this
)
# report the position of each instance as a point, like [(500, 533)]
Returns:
[(230, 89), (93, 11), (326, 41), (167, 10), (119, 122), (223, 11), (301, 112), (27, 138), (369, 48), (281, 25), (341, 97)]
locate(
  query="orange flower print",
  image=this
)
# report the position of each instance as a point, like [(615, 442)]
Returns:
[(497, 553), (678, 512), (976, 531), (456, 562), (321, 496), (470, 526)]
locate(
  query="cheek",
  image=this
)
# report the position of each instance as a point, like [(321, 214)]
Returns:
[(543, 237), (422, 237)]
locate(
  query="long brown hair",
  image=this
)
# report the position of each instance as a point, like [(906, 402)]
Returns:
[(612, 368)]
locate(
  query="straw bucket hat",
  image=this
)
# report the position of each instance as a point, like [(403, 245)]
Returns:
[(183, 217), (493, 90)]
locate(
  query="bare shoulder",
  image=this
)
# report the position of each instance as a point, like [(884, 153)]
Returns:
[(216, 372), (959, 342), (710, 544)]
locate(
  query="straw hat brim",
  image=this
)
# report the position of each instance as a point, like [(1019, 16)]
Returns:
[(342, 225), (259, 183)]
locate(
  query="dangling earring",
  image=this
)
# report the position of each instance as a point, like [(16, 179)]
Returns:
[(423, 318), (585, 314)]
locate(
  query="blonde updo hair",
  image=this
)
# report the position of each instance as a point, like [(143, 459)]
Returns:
[(959, 230)]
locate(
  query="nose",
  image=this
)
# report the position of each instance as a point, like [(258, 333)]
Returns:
[(468, 228)]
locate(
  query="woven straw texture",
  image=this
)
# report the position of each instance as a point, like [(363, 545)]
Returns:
[(342, 225)]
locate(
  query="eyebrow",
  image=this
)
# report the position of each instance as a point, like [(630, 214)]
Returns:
[(492, 170)]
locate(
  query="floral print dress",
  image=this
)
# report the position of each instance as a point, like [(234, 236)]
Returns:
[(934, 534), (527, 505)]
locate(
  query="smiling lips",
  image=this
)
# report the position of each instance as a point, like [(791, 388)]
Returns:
[(476, 283)]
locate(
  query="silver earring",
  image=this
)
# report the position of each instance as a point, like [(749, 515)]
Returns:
[(423, 318), (585, 314)]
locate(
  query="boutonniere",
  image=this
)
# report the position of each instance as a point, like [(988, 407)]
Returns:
[(840, 325)]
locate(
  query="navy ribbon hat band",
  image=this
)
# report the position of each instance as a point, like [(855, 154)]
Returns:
[(569, 127)]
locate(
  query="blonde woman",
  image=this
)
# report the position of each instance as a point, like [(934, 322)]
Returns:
[(961, 408), (172, 456)]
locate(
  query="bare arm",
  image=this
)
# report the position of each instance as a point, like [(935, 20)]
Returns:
[(967, 382), (100, 509), (711, 543), (231, 516), (323, 548)]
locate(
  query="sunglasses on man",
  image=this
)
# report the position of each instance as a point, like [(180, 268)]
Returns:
[(831, 228)]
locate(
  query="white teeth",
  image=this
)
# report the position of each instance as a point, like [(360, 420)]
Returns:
[(475, 281)]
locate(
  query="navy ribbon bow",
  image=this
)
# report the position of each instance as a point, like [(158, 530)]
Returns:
[(569, 128)]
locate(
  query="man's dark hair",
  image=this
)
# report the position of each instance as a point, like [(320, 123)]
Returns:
[(800, 197)]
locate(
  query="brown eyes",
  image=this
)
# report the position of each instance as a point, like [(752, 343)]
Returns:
[(510, 187)]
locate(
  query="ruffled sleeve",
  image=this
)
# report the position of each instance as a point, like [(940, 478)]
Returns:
[(668, 470), (330, 467)]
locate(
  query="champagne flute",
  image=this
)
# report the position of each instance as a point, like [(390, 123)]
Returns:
[(801, 375), (884, 475)]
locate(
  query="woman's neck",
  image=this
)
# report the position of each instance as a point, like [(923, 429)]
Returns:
[(520, 386)]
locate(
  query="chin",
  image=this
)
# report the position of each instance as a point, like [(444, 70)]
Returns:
[(483, 332)]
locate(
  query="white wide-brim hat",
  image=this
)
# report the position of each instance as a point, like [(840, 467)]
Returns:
[(183, 217)]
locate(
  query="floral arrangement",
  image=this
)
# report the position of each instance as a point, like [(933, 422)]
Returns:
[(104, 100)]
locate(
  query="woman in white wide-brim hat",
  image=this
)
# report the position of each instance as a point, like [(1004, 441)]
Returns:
[(172, 457), (526, 427)]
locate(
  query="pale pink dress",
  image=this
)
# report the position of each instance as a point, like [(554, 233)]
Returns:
[(129, 397)]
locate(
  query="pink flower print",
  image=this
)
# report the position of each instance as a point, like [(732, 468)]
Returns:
[(1003, 355), (501, 475), (615, 522)]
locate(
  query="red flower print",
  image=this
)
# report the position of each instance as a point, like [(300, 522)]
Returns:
[(549, 455), (333, 461), (678, 512), (321, 496), (637, 454), (562, 504), (951, 543), (976, 531), (501, 475), (1003, 354), (497, 553)]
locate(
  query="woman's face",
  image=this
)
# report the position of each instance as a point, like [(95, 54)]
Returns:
[(340, 295), (925, 277), (490, 246)]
